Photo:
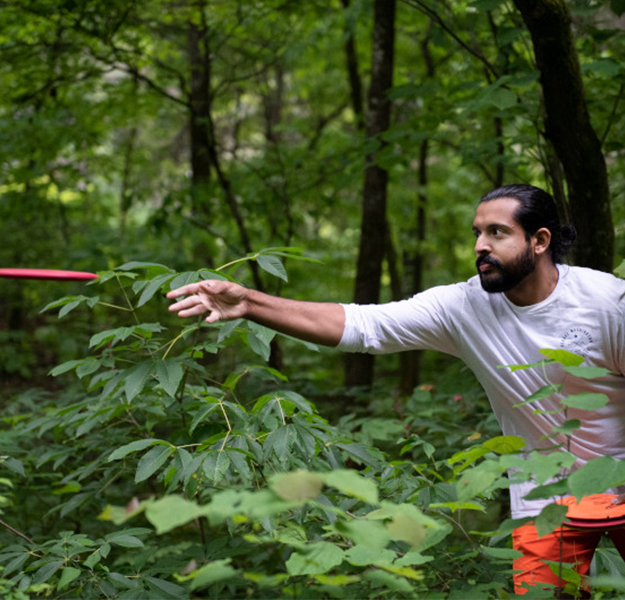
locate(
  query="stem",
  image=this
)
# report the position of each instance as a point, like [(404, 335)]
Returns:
[(116, 306), (16, 532), (238, 260)]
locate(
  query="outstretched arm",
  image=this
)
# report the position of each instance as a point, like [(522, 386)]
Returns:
[(317, 322)]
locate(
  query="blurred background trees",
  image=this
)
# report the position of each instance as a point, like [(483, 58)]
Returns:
[(191, 133)]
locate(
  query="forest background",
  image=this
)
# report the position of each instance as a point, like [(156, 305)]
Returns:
[(329, 151)]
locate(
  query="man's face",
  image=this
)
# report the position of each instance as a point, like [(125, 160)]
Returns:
[(504, 256)]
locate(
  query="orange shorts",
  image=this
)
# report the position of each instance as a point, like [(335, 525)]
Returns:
[(568, 545)]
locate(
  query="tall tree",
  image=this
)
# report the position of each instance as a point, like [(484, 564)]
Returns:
[(568, 128), (359, 368)]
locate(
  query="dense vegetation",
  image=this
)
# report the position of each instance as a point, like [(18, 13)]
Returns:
[(162, 142)]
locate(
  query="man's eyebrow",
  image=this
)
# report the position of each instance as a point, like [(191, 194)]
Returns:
[(503, 226)]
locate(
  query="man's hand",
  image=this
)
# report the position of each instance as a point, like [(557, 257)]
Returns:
[(222, 300)]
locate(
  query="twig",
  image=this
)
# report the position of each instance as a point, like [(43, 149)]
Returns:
[(16, 532)]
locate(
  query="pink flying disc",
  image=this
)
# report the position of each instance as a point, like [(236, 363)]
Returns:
[(50, 274), (594, 512)]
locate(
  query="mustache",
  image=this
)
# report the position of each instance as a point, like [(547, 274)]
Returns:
[(487, 260)]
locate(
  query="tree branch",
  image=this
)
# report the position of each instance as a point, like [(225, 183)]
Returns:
[(426, 10)]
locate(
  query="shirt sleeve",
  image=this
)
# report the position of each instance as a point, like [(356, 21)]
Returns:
[(427, 321)]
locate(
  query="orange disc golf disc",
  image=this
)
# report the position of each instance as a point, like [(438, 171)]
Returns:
[(593, 512)]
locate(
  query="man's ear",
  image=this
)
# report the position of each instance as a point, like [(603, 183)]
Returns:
[(542, 240)]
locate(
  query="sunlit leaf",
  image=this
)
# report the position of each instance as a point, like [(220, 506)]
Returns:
[(171, 512), (564, 357), (297, 486), (353, 484)]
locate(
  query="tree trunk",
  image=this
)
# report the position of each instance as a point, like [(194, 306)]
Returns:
[(200, 107), (410, 362), (353, 71), (359, 368), (568, 128)]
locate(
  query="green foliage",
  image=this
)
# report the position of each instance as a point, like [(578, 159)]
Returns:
[(189, 486)]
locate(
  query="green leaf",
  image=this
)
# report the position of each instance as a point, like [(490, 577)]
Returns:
[(68, 575), (154, 268), (564, 357), (297, 486), (550, 518), (280, 441), (135, 446), (165, 587), (154, 286), (353, 484), (217, 570), (171, 512), (556, 488), (124, 540), (203, 412), (568, 427), (596, 476), (69, 307), (88, 366), (45, 572), (258, 346), (14, 465), (501, 553), (607, 67), (273, 265), (151, 461), (390, 581), (587, 372), (477, 480), (216, 465), (502, 98), (362, 556), (64, 367), (63, 301), (136, 377), (541, 394), (406, 528), (169, 374), (369, 533), (314, 559), (586, 401), (359, 453), (505, 444)]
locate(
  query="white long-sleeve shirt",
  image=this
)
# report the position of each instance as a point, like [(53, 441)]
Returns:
[(585, 314)]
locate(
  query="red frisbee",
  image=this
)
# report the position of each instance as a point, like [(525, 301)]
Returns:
[(594, 512), (50, 274)]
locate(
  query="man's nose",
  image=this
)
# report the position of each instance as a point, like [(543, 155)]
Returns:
[(481, 245)]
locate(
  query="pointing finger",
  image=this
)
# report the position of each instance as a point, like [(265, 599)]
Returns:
[(185, 290)]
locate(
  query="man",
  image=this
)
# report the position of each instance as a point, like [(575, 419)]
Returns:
[(522, 300)]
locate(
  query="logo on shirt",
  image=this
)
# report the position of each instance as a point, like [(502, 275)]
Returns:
[(576, 340)]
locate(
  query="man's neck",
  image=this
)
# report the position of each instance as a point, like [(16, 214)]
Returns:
[(536, 287)]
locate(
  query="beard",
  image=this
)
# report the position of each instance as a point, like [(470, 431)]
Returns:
[(505, 276)]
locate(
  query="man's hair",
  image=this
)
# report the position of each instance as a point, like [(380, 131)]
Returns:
[(537, 209)]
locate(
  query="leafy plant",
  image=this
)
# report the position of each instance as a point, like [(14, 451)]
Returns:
[(152, 472)]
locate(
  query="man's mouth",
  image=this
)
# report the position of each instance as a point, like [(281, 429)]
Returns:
[(485, 263)]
